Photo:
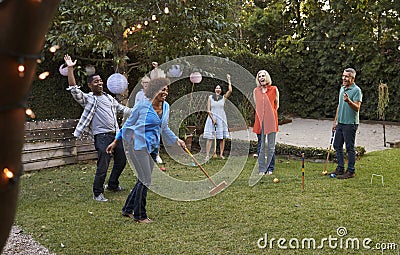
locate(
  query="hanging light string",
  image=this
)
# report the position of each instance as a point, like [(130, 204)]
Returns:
[(21, 59), (18, 105), (139, 26)]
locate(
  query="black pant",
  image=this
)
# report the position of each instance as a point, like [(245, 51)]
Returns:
[(101, 141)]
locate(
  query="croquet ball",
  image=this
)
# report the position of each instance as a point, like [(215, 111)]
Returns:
[(276, 180), (332, 175), (163, 169)]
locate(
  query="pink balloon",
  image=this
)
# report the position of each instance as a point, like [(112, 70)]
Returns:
[(195, 77)]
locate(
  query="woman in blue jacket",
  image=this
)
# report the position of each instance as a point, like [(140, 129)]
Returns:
[(143, 129)]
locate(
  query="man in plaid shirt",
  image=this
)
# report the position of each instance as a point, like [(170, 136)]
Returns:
[(99, 119)]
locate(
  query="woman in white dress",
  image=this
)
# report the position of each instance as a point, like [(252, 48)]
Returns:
[(216, 123)]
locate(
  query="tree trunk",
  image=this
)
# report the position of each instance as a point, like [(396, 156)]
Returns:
[(24, 24)]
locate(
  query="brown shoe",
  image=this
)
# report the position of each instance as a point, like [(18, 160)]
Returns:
[(347, 175), (129, 215), (147, 220), (337, 172)]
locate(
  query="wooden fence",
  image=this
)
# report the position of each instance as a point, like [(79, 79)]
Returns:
[(51, 144)]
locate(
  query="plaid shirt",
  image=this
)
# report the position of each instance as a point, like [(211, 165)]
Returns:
[(89, 102)]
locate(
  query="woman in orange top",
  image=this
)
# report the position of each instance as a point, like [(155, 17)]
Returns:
[(266, 98)]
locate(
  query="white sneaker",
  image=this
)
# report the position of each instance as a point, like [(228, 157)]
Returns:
[(100, 198), (159, 160), (269, 172), (261, 173)]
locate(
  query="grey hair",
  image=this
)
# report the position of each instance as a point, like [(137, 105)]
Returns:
[(352, 71), (267, 76)]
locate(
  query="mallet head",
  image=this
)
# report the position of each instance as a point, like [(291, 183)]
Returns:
[(217, 188)]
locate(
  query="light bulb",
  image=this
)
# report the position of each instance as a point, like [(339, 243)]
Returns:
[(44, 75), (30, 113), (21, 68), (8, 173), (54, 48)]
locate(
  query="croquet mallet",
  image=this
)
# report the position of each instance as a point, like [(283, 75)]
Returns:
[(329, 151), (216, 188), (215, 142)]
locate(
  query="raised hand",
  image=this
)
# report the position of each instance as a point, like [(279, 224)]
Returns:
[(68, 61)]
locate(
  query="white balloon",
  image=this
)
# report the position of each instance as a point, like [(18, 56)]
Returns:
[(117, 83), (63, 70)]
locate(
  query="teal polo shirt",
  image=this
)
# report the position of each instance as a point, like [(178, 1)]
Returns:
[(346, 115)]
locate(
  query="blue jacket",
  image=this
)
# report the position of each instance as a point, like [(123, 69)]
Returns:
[(144, 127)]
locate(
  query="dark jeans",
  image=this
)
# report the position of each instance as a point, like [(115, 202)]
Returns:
[(101, 141), (345, 134), (137, 198)]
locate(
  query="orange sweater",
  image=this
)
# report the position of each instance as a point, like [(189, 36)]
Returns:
[(266, 110)]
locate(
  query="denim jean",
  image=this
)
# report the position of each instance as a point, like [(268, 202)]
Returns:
[(345, 134), (136, 201), (271, 165), (262, 165), (101, 141)]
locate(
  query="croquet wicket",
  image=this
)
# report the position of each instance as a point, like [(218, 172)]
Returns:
[(302, 171)]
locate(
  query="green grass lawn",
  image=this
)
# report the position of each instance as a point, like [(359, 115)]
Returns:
[(57, 208)]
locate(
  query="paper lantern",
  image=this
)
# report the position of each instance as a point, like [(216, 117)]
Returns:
[(90, 70), (117, 83), (175, 71), (63, 70), (195, 77)]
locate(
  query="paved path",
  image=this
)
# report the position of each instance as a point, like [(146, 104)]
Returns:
[(317, 133)]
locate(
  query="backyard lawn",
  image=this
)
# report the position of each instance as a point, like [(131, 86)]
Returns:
[(341, 216)]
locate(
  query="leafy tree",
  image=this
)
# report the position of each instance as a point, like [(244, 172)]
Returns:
[(319, 39), (107, 31)]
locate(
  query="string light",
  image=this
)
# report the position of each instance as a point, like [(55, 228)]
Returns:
[(30, 113), (166, 10), (54, 48), (43, 75), (8, 173), (146, 22), (21, 67)]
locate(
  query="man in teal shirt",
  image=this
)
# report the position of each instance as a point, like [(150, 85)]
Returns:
[(346, 123)]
